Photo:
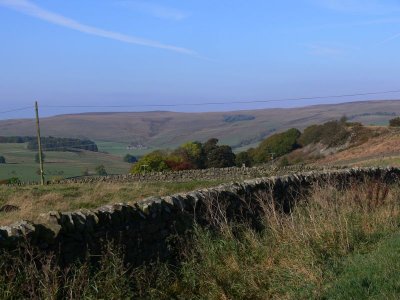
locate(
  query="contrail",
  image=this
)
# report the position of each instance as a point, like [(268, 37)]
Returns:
[(396, 36), (28, 8)]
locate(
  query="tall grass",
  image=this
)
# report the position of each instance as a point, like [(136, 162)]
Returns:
[(318, 251)]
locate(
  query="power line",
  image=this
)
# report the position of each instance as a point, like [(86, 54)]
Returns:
[(17, 109), (223, 103)]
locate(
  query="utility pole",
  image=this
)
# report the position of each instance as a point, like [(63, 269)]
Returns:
[(272, 158), (39, 144)]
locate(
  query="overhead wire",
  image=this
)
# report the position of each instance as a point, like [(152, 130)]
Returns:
[(225, 103), (17, 109)]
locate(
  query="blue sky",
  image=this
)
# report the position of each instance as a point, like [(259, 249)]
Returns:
[(128, 52)]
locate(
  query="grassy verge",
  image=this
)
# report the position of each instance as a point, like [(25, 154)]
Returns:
[(33, 200), (334, 245)]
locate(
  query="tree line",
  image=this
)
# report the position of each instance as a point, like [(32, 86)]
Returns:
[(196, 155), (62, 144)]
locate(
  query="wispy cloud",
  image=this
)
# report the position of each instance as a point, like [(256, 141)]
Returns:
[(393, 37), (155, 10), (322, 50), (361, 6), (29, 8)]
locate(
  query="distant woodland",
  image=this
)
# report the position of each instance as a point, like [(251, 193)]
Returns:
[(52, 143)]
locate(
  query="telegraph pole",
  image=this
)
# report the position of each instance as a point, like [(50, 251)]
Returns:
[(39, 144)]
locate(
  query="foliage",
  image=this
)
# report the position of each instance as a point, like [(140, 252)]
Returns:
[(395, 122), (154, 161), (332, 133), (244, 158), (14, 181), (15, 139), (220, 157), (284, 162), (277, 145), (101, 170), (2, 160), (130, 158), (238, 118), (62, 144), (191, 155)]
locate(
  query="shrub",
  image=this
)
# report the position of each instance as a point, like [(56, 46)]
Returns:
[(153, 162), (192, 153), (279, 144), (220, 157), (332, 133), (238, 118), (395, 122), (2, 160), (130, 159), (101, 170), (244, 158), (284, 162)]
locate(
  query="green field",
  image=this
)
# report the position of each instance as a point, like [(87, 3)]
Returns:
[(21, 163), (120, 149)]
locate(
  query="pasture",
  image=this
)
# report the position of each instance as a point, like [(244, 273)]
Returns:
[(21, 163)]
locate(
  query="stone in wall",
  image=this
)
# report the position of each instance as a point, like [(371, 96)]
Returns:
[(148, 229)]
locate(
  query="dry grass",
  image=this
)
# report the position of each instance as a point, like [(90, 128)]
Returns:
[(298, 255), (307, 254), (386, 144), (33, 200)]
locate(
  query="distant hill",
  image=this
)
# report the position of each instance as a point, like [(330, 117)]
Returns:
[(239, 129)]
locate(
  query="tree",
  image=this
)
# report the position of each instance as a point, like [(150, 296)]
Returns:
[(37, 160), (220, 157), (395, 122), (130, 159), (332, 133), (210, 145), (244, 158), (277, 145), (2, 160), (192, 154), (153, 162), (101, 170), (343, 119)]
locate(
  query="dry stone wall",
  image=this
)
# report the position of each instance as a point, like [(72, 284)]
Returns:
[(148, 229), (232, 173)]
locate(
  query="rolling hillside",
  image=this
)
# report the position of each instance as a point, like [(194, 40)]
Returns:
[(240, 129), (21, 163)]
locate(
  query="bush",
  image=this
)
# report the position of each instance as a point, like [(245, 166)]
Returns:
[(395, 122), (284, 162), (278, 144), (220, 157), (332, 133), (2, 160), (130, 159), (101, 170), (244, 158), (153, 162)]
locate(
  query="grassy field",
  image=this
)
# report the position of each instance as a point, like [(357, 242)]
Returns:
[(21, 163), (335, 244), (120, 149), (34, 200), (163, 129)]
